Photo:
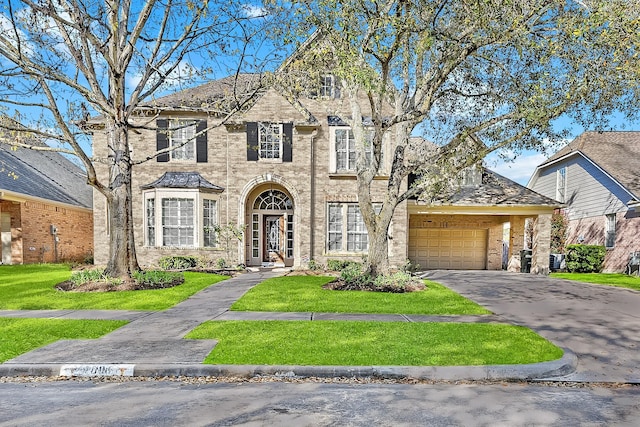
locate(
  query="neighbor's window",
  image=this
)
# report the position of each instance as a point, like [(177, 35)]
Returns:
[(561, 184), (610, 231)]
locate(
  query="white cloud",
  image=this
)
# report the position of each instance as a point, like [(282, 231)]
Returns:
[(518, 170), (253, 11)]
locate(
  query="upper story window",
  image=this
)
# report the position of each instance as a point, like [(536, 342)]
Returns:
[(269, 141), (329, 86), (182, 140), (344, 149), (561, 184)]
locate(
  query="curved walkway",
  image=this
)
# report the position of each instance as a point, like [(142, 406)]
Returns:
[(153, 342)]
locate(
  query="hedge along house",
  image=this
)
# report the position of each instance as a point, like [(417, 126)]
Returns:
[(45, 208), (282, 170)]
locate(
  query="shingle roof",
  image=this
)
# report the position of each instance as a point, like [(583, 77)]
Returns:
[(617, 153), (496, 190), (209, 96), (44, 174), (183, 180)]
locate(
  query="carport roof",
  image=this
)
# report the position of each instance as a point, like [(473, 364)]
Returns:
[(495, 190)]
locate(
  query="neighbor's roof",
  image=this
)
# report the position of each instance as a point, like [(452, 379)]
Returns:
[(183, 180), (617, 153), (43, 174), (496, 190)]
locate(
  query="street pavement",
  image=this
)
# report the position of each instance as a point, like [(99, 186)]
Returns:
[(598, 324)]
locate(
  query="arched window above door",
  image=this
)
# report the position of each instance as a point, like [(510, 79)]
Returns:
[(273, 200)]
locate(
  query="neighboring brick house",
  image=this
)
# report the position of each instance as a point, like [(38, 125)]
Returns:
[(597, 177), (45, 208), (283, 170)]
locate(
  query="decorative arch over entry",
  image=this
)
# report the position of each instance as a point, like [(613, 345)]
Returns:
[(268, 208)]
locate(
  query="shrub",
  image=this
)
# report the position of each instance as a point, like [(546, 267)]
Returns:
[(314, 265), (221, 263), (585, 258), (158, 278), (398, 282), (339, 265), (178, 262), (410, 267), (85, 276)]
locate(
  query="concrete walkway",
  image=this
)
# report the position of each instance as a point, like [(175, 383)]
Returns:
[(153, 342)]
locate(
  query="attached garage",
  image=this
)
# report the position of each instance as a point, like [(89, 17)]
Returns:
[(450, 249)]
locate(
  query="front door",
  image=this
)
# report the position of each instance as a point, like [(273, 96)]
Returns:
[(274, 239)]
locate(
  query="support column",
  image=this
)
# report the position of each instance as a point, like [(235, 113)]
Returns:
[(516, 242), (541, 244)]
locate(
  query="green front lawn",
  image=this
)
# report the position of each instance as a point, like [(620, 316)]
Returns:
[(305, 294), (372, 343), (31, 287), (611, 279), (18, 336)]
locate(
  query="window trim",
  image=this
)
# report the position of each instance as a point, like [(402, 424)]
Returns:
[(198, 197)]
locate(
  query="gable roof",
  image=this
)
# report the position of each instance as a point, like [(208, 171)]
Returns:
[(45, 175), (496, 190), (616, 153)]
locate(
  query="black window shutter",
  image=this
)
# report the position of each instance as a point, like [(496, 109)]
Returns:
[(336, 88), (287, 143), (162, 139), (201, 142), (252, 141)]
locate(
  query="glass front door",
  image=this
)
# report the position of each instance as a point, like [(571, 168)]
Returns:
[(274, 240)]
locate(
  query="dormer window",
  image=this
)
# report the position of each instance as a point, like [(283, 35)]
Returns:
[(471, 177)]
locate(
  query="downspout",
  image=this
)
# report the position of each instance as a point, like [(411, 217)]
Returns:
[(312, 201)]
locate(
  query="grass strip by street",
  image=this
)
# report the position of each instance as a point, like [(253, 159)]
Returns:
[(31, 287), (349, 343), (18, 336), (611, 279), (305, 294)]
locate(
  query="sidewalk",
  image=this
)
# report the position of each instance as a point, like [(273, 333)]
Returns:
[(152, 343)]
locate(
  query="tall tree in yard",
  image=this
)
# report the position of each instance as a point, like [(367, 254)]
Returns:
[(65, 61), (473, 76)]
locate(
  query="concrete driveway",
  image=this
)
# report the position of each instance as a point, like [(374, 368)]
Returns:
[(600, 324)]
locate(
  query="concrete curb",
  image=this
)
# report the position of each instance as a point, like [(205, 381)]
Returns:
[(556, 368)]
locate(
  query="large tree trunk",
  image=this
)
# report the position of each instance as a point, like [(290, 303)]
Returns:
[(378, 254), (122, 252)]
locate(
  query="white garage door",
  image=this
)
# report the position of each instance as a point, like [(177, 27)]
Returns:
[(448, 249)]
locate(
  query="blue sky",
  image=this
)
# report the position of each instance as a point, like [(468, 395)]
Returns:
[(521, 169)]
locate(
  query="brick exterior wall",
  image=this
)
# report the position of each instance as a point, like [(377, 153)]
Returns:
[(308, 180), (32, 241), (591, 231)]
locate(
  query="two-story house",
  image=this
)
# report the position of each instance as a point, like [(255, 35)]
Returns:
[(283, 169), (596, 176), (45, 207)]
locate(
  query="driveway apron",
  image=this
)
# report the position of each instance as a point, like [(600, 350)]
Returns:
[(600, 324)]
